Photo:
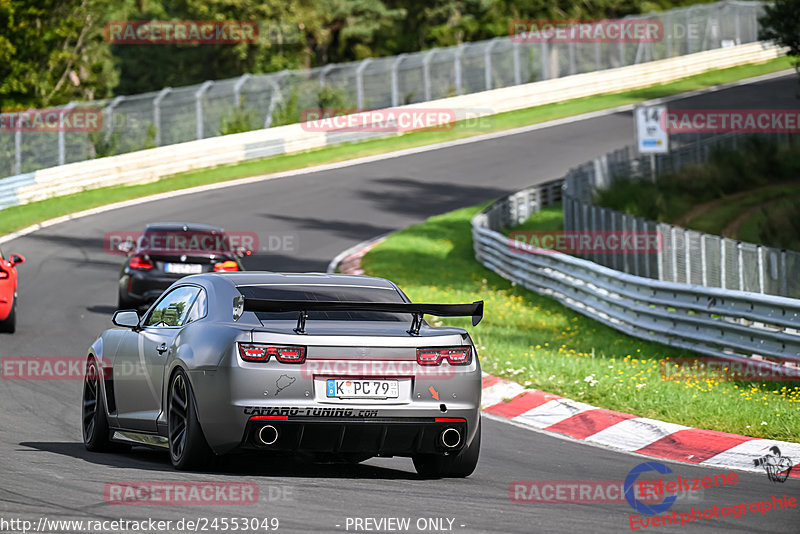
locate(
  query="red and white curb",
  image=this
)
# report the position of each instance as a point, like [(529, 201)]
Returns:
[(621, 431), (538, 410)]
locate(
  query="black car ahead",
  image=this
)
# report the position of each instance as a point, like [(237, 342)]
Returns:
[(165, 252)]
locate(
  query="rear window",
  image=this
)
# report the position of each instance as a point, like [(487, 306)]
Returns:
[(180, 242), (327, 293)]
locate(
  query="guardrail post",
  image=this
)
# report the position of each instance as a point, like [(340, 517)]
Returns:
[(457, 66), (237, 89), (360, 82), (395, 88), (62, 155), (198, 106), (426, 73), (157, 112), (515, 63)]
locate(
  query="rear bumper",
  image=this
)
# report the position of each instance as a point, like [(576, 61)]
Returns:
[(380, 436)]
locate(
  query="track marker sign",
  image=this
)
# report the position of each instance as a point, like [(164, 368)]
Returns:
[(651, 134)]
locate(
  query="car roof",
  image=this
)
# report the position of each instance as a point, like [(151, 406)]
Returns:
[(181, 227)]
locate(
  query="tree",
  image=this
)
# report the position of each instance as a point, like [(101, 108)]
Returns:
[(781, 24), (53, 51)]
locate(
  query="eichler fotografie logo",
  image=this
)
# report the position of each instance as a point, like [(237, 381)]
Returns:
[(586, 31), (181, 32)]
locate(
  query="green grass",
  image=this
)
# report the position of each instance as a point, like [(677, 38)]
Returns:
[(728, 210), (539, 343), (21, 216)]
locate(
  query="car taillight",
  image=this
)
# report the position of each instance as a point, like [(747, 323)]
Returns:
[(435, 355), (258, 352), (226, 267), (138, 262)]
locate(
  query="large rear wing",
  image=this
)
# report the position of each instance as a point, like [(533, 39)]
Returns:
[(474, 310)]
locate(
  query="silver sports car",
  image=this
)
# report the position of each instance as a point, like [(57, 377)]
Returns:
[(334, 366)]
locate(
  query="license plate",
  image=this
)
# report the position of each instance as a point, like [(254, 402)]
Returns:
[(183, 268), (362, 389)]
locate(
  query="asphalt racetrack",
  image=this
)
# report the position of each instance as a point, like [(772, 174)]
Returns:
[(68, 293)]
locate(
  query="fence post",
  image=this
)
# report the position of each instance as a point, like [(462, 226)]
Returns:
[(360, 82), (648, 254), (723, 274), (635, 259), (62, 154), (457, 66), (515, 63), (686, 31), (783, 278), (276, 96), (668, 35), (740, 264), (487, 63), (703, 260), (237, 89), (109, 115), (18, 147), (571, 49), (426, 73), (198, 106), (157, 112), (687, 257), (673, 234), (323, 72), (737, 26), (543, 49), (395, 89), (760, 253)]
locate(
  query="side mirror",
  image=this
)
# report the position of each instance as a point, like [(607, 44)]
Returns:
[(126, 318), (242, 251), (125, 246), (16, 259)]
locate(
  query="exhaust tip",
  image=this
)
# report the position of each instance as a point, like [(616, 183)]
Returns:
[(451, 438), (268, 435)]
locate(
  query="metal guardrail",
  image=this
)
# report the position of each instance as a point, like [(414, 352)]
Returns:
[(181, 114), (728, 324)]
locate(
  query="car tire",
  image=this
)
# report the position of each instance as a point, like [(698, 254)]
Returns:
[(456, 466), (188, 448), (9, 324), (94, 425)]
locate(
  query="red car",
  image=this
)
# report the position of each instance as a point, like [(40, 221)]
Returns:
[(8, 291)]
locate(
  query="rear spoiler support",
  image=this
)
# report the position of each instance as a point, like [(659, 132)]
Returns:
[(474, 310)]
